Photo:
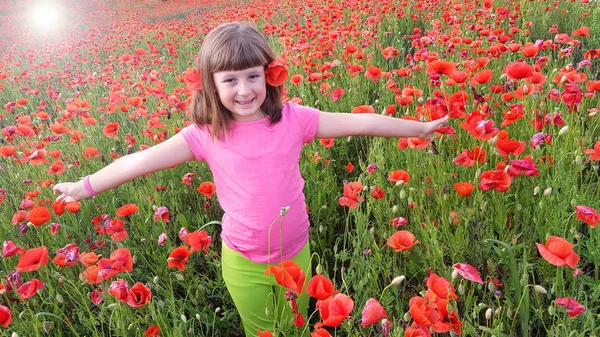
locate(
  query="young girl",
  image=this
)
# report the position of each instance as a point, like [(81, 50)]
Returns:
[(252, 144)]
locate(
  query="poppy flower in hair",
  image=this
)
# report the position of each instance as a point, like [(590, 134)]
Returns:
[(276, 73), (192, 79)]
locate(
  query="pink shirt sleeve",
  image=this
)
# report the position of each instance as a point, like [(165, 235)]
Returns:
[(308, 118), (195, 138)]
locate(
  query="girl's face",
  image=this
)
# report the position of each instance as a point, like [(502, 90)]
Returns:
[(242, 92)]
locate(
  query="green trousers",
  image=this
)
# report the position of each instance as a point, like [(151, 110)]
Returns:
[(259, 300)]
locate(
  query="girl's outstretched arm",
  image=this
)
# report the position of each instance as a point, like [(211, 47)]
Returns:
[(333, 125), (169, 153)]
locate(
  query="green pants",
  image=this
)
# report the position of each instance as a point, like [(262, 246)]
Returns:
[(259, 300)]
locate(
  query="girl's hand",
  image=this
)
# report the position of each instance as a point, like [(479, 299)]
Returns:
[(70, 192), (431, 126)]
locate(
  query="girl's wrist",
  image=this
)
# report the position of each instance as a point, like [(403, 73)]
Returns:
[(86, 184)]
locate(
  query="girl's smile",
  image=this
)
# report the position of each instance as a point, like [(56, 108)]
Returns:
[(242, 92)]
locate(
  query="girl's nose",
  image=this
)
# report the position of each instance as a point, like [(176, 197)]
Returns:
[(243, 88)]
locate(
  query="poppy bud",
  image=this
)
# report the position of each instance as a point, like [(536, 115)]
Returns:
[(402, 194), (179, 277), (454, 274), (406, 317), (190, 331), (131, 326), (47, 327), (536, 190), (217, 310), (284, 210), (319, 269), (111, 306), (491, 287), (14, 334), (156, 279), (420, 100), (183, 318), (268, 312), (548, 191), (564, 130), (395, 208), (539, 289), (461, 289), (59, 298), (321, 229), (498, 311), (349, 139), (578, 160), (398, 279), (551, 310), (488, 314)]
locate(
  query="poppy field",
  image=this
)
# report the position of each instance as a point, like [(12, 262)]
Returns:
[(488, 229)]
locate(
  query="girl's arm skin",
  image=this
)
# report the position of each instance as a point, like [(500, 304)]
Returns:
[(334, 125), (169, 153)]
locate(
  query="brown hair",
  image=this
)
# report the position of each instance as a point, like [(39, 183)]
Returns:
[(230, 47)]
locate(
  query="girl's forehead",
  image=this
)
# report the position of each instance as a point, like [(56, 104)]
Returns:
[(258, 69)]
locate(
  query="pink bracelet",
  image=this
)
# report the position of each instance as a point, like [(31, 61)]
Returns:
[(86, 183)]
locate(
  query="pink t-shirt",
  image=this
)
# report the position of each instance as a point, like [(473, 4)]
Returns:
[(257, 172)]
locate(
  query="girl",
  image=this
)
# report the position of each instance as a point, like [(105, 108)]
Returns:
[(252, 145)]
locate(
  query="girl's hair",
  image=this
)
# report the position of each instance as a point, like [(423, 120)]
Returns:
[(230, 47)]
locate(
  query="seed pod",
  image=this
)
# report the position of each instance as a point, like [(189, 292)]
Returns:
[(488, 314), (539, 289)]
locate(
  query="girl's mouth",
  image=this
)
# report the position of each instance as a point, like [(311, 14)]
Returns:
[(245, 102)]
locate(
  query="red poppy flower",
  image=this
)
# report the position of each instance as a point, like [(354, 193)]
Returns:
[(335, 310), (178, 258), (478, 127), (467, 271), (510, 146), (9, 248), (127, 210), (38, 216), (372, 313), (463, 188), (595, 152), (119, 289), (377, 193), (152, 331), (198, 240), (402, 240), (30, 288), (439, 288), (139, 295), (589, 215), (518, 70), (320, 333), (558, 252), (441, 68), (7, 151), (276, 73), (423, 313), (415, 330), (90, 275), (5, 316), (192, 79), (289, 275), (398, 175), (573, 307), (33, 259), (264, 333), (88, 259), (581, 31), (296, 79), (413, 142), (320, 287), (361, 109), (496, 179), (207, 188), (111, 129)]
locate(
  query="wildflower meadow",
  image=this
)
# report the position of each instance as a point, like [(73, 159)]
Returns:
[(488, 229)]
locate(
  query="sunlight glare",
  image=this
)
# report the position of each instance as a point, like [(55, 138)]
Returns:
[(46, 17)]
